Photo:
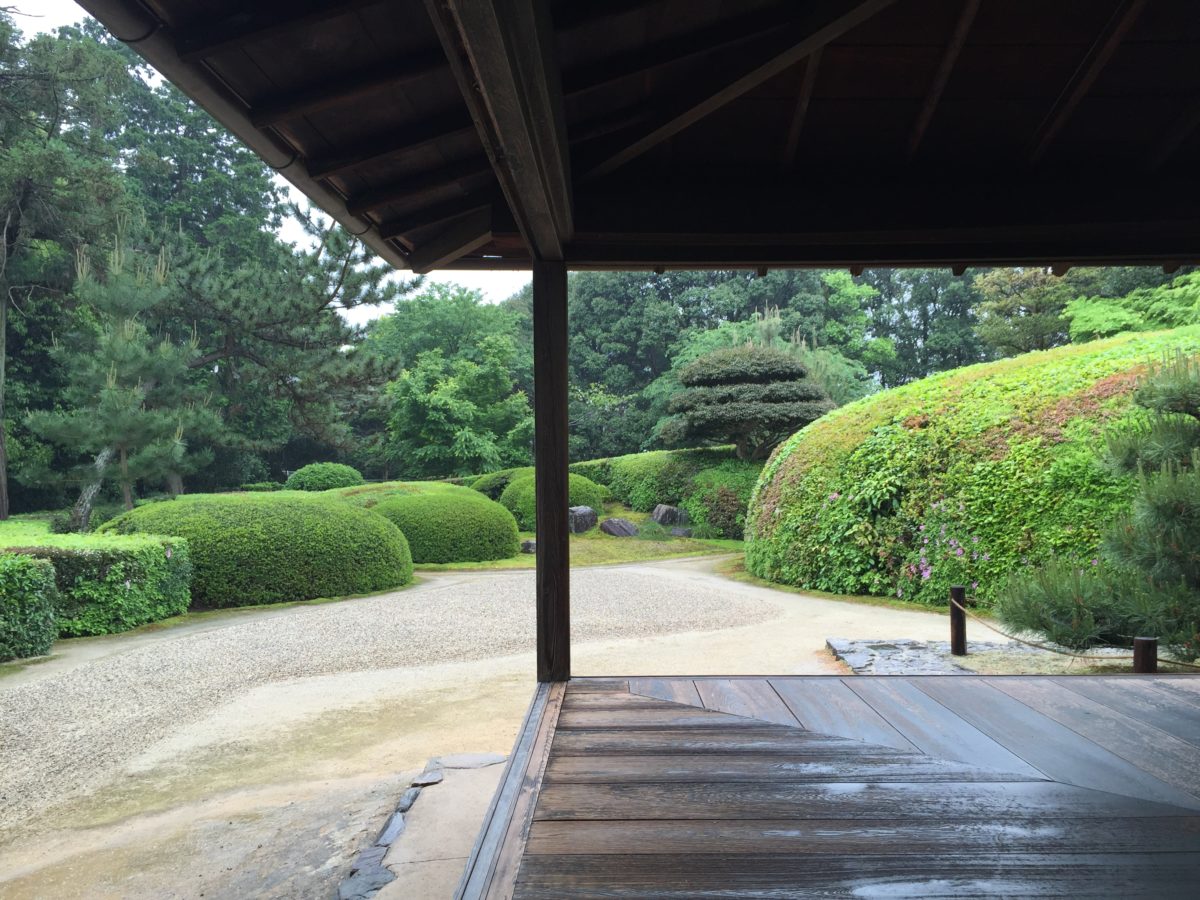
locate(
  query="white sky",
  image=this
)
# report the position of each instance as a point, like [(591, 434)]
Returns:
[(33, 16)]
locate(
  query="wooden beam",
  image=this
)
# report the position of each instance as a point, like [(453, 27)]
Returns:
[(257, 21), (550, 380), (433, 215), (428, 131), (945, 67), (327, 94), (419, 185), (1174, 137), (1085, 74), (818, 25), (469, 233), (502, 55), (803, 98)]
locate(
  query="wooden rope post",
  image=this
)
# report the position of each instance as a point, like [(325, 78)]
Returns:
[(958, 620), (1145, 655)]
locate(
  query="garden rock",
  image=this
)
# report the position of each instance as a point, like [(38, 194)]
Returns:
[(581, 519), (618, 527), (529, 546), (681, 532), (669, 515)]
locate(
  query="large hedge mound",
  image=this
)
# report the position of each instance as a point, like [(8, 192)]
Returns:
[(458, 526), (266, 548), (961, 478), (519, 497)]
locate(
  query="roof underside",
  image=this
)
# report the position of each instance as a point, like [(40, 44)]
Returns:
[(619, 134)]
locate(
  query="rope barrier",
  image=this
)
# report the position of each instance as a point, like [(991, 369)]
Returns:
[(1035, 644)]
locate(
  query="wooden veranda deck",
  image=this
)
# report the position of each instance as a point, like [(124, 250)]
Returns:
[(794, 786)]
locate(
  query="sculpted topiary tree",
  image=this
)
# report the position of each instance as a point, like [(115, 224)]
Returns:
[(753, 397)]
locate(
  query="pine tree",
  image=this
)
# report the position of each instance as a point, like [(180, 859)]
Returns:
[(131, 402)]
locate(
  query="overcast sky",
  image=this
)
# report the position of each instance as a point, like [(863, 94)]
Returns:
[(44, 15)]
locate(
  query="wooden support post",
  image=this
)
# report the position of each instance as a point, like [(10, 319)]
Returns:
[(958, 620), (550, 459), (1145, 655)]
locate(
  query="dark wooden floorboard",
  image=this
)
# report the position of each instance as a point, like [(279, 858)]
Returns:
[(1046, 745), (895, 787)]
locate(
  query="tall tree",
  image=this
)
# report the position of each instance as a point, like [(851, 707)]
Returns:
[(1022, 309)]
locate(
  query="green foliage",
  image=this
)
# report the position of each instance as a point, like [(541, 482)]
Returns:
[(718, 497), (108, 583), (27, 601), (1142, 309), (519, 497), (250, 549), (444, 527), (962, 478), (323, 477), (1022, 309), (643, 480), (263, 486), (755, 396), (493, 484)]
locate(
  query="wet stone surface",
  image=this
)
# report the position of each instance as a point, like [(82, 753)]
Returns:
[(909, 657)]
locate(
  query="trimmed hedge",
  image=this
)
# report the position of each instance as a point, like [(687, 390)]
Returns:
[(263, 486), (719, 496), (108, 583), (518, 497), (643, 480), (27, 600), (459, 526), (323, 477), (493, 484), (960, 478), (249, 549)]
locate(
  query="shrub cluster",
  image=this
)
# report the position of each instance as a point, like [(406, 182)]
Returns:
[(452, 526), (494, 483), (519, 497), (323, 477), (718, 496), (962, 477), (27, 602), (263, 486), (109, 583), (250, 549)]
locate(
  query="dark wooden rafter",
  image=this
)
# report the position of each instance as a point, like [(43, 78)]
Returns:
[(1174, 137), (256, 21), (1085, 74), (502, 55), (817, 26), (803, 98), (417, 186), (430, 131), (464, 235), (957, 40), (428, 216)]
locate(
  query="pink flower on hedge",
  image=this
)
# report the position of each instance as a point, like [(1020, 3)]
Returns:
[(834, 495), (958, 552)]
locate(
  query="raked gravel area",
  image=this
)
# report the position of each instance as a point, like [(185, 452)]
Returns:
[(65, 730)]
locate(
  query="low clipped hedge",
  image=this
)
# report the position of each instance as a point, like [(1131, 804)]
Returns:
[(643, 480), (960, 478), (718, 497), (263, 486), (493, 484), (108, 583), (458, 526), (519, 497), (249, 549), (323, 477), (27, 601)]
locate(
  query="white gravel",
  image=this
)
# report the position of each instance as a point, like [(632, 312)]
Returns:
[(70, 731)]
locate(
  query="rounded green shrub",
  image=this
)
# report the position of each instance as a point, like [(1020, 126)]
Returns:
[(719, 496), (644, 480), (445, 527), (27, 601), (519, 497), (960, 478), (493, 484), (323, 477), (249, 549)]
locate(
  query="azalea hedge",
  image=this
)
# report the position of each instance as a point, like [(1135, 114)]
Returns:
[(960, 478), (448, 526)]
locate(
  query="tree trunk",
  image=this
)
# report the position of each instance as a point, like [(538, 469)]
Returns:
[(126, 487), (3, 430), (174, 484), (81, 512)]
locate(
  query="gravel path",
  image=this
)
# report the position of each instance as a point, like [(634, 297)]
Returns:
[(70, 731)]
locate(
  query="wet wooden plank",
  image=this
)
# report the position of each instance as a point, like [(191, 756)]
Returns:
[(933, 728), (744, 697), (804, 836), (1044, 743), (733, 767), (729, 739), (1182, 687), (1169, 876), (664, 716), (843, 800), (674, 690), (587, 684), (828, 706), (1165, 757), (1143, 700), (609, 700)]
